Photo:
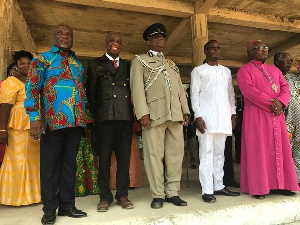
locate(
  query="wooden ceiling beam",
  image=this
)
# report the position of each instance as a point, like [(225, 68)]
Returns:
[(23, 30), (182, 61), (157, 7), (268, 22), (231, 63), (203, 6), (286, 46), (124, 55), (176, 36)]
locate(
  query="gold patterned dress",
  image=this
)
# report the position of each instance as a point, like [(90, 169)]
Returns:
[(20, 170)]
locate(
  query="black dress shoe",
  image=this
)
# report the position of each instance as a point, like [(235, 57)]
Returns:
[(259, 196), (176, 201), (226, 192), (71, 212), (157, 203), (208, 198), (283, 192), (49, 218), (233, 184)]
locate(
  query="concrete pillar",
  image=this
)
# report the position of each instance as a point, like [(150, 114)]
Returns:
[(6, 24), (199, 37)]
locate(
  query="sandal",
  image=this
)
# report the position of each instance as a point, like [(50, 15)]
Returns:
[(103, 206), (125, 203)]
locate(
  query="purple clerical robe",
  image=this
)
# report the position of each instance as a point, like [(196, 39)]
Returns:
[(266, 157)]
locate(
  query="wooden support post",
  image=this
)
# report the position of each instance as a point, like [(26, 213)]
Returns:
[(176, 36), (26, 41), (6, 24), (199, 37)]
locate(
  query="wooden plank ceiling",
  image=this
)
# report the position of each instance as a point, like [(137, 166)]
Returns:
[(233, 23)]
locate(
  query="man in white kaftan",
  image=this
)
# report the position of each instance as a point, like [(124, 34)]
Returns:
[(213, 103)]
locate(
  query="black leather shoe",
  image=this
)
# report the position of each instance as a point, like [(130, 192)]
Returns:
[(233, 184), (208, 198), (259, 196), (226, 192), (157, 203), (176, 201), (49, 218), (71, 212), (283, 192)]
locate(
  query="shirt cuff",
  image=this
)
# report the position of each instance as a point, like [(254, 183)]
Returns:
[(197, 113), (34, 116)]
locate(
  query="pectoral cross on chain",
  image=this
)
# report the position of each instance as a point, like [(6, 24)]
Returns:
[(274, 87)]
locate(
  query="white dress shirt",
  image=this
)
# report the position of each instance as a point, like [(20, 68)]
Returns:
[(111, 58), (212, 97)]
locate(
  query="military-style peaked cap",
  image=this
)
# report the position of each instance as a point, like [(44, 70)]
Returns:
[(156, 28)]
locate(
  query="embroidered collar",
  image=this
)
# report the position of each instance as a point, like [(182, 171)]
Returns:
[(56, 50), (151, 52)]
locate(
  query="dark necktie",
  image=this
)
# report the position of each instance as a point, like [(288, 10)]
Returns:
[(115, 63)]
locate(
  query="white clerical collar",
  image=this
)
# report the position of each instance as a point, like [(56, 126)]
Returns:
[(155, 53), (111, 58)]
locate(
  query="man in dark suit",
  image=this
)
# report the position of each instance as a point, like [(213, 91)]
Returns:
[(108, 93)]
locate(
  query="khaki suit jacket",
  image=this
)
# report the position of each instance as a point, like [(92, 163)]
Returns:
[(161, 103)]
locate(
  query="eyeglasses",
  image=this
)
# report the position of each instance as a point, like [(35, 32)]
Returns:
[(261, 48), (288, 60), (217, 48)]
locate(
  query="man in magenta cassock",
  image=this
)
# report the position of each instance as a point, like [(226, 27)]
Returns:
[(266, 157)]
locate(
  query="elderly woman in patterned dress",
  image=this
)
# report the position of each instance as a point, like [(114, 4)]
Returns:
[(284, 61)]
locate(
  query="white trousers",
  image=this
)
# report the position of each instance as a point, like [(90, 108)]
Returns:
[(211, 154)]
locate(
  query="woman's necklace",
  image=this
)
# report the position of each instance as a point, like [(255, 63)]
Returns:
[(269, 78)]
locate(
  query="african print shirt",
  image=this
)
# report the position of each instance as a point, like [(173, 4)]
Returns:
[(57, 79), (292, 111)]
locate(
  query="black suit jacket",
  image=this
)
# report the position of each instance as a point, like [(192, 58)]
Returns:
[(108, 90)]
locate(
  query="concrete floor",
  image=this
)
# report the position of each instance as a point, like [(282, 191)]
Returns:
[(226, 210)]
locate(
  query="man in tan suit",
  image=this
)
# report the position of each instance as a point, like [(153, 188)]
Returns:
[(161, 106)]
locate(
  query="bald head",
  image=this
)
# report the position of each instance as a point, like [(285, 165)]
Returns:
[(113, 44), (283, 61), (63, 37), (112, 33)]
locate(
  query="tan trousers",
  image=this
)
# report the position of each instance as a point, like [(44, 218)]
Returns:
[(163, 154)]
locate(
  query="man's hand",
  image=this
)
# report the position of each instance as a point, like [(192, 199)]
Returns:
[(186, 119), (4, 137), (276, 107), (145, 121), (35, 129), (200, 123), (297, 63)]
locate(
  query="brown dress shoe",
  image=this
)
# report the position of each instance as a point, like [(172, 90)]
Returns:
[(103, 206), (125, 203)]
